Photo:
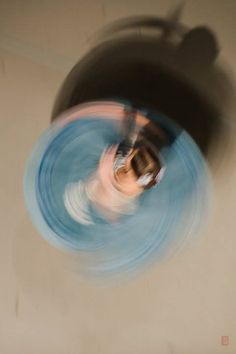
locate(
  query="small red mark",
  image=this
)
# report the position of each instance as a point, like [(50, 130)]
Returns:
[(224, 340)]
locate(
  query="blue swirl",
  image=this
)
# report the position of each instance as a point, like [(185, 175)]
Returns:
[(167, 214)]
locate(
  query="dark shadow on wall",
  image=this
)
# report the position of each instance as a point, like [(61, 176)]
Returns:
[(165, 67)]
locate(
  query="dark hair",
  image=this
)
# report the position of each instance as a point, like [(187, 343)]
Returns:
[(146, 158), (146, 161)]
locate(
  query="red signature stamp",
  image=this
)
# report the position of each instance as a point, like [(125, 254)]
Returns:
[(224, 340)]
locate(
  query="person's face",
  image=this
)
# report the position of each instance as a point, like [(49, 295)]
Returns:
[(127, 179)]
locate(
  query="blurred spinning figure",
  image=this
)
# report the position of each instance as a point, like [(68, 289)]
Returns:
[(124, 172)]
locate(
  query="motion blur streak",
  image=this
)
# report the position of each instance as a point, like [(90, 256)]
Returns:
[(166, 217), (170, 75)]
